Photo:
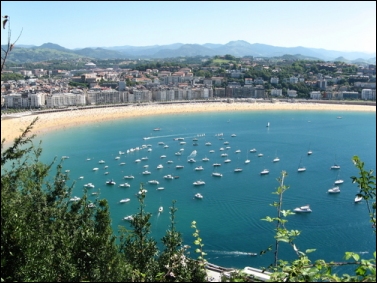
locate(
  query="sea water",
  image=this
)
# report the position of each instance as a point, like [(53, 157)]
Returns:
[(229, 215)]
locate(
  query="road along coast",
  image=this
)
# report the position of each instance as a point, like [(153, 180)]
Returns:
[(11, 126)]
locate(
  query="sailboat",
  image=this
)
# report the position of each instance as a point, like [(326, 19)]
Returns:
[(268, 124), (338, 181), (309, 151), (247, 159), (300, 167), (335, 166), (276, 159)]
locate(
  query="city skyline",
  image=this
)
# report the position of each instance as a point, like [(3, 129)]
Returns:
[(350, 26)]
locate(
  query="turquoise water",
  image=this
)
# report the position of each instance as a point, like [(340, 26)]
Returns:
[(229, 215)]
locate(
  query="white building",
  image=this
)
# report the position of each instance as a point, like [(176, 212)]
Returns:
[(293, 80), (368, 94), (274, 80), (292, 93), (315, 95), (276, 92), (61, 100)]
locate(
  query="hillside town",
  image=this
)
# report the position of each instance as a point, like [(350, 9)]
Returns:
[(221, 77)]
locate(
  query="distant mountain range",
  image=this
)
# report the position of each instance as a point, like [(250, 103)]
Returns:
[(239, 48)]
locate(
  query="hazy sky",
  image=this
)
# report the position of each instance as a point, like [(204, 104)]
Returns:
[(341, 26)]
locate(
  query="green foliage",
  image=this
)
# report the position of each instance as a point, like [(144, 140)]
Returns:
[(11, 76), (367, 185)]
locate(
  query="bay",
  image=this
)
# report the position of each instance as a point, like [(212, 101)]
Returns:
[(229, 215)]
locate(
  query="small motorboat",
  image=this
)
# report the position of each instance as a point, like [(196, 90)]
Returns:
[(128, 218), (216, 174), (199, 196), (111, 182), (358, 198), (160, 209), (264, 172), (124, 200), (334, 190), (199, 183), (305, 208)]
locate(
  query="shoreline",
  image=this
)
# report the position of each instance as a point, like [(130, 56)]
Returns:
[(10, 127)]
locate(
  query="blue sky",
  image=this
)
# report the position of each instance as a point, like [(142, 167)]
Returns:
[(341, 26)]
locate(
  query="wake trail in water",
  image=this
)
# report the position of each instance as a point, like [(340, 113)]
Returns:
[(236, 253)]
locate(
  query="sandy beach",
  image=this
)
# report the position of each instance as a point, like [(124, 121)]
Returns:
[(11, 127)]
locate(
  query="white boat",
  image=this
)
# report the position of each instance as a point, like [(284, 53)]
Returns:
[(121, 152), (227, 160), (91, 205), (122, 163), (160, 188), (305, 208), (101, 161), (300, 167), (238, 151), (155, 182), (208, 143), (216, 164), (179, 166), (226, 142), (142, 191), (163, 156), (106, 173), (160, 209), (166, 146), (88, 159), (95, 169), (191, 160), (199, 183), (170, 162), (199, 196), (89, 185), (144, 158), (211, 151), (125, 185), (253, 150), (81, 177), (124, 200), (106, 167), (178, 153), (146, 172), (157, 129), (137, 160), (268, 124), (334, 190), (168, 177), (264, 172), (338, 181), (67, 171), (358, 198), (199, 168), (221, 149), (335, 166), (111, 182), (182, 142), (260, 154), (161, 143), (233, 135), (117, 157), (149, 149), (65, 157), (94, 193), (238, 170), (205, 159), (247, 161), (217, 174), (276, 159), (224, 155), (129, 177), (128, 218), (146, 166), (75, 199), (310, 152), (160, 166)]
